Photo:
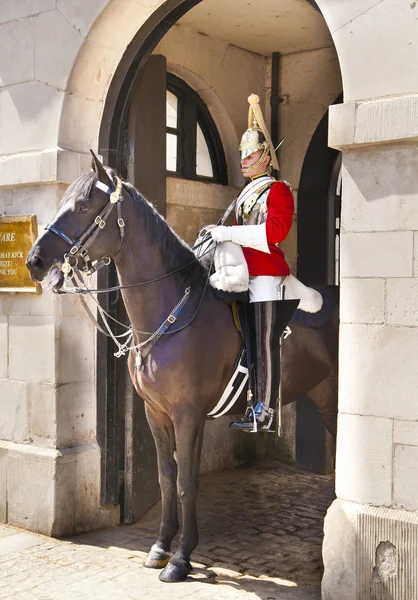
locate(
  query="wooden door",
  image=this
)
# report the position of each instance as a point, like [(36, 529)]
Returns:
[(145, 160)]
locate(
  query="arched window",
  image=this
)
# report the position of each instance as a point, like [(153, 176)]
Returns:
[(194, 147)]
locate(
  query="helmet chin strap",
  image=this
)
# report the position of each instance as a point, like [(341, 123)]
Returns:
[(247, 170)]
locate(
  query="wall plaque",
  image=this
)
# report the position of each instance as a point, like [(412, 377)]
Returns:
[(17, 235)]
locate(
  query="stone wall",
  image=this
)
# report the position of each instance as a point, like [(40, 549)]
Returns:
[(50, 117), (51, 112), (370, 545)]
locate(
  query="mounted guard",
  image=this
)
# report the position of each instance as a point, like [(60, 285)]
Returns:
[(264, 211)]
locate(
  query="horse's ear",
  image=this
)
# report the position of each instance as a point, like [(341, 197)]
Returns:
[(99, 169)]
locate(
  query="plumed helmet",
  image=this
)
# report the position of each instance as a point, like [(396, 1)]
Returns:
[(257, 137)]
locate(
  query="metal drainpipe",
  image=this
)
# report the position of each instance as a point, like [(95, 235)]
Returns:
[(275, 101)]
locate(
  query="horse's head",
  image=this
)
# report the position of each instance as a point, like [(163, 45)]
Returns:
[(86, 228)]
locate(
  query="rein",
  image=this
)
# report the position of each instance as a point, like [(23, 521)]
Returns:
[(79, 248)]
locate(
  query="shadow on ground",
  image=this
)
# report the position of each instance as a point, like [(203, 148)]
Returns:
[(261, 529)]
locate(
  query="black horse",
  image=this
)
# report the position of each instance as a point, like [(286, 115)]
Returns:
[(185, 372)]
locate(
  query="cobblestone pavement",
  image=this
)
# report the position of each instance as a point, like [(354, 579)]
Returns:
[(260, 539)]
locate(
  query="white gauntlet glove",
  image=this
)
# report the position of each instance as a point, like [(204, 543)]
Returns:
[(250, 236), (221, 234)]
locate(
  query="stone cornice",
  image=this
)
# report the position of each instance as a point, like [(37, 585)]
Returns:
[(372, 122), (52, 165)]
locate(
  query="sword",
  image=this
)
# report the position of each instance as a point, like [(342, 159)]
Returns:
[(279, 412), (227, 212)]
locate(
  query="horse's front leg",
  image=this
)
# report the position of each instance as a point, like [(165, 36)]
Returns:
[(163, 432), (189, 437)]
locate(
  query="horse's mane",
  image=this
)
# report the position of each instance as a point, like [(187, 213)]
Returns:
[(82, 187), (175, 252)]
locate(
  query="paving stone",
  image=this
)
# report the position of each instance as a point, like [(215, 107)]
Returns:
[(18, 541), (261, 532), (5, 531)]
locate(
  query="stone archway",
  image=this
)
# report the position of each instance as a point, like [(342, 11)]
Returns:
[(88, 84), (378, 184)]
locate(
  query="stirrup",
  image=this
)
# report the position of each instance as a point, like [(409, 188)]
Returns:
[(252, 423)]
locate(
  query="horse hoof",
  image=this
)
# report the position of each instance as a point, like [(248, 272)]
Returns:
[(174, 573), (157, 559)]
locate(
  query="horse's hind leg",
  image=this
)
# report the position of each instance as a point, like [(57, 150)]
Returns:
[(163, 432), (189, 436), (325, 398)]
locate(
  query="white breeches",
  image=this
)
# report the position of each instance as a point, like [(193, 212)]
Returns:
[(268, 287), (265, 288)]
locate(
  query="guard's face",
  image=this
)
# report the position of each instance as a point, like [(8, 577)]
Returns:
[(252, 159)]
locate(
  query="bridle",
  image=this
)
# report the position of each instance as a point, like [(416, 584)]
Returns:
[(79, 248)]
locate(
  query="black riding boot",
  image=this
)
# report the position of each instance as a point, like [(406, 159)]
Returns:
[(271, 319)]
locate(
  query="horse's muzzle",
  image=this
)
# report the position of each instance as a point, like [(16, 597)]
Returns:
[(35, 264)]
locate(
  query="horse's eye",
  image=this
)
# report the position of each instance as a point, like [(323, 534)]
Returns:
[(83, 207)]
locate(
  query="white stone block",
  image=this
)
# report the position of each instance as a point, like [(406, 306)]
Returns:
[(4, 347), (69, 305), (117, 24), (42, 305), (17, 304), (9, 11), (380, 188), (364, 459), (406, 433), (13, 410), (55, 492), (89, 514), (386, 254), (80, 123), (23, 304), (342, 124), (44, 166), (55, 36), (339, 551), (92, 78), (40, 496), (76, 349), (81, 14), (367, 42), (76, 414), (39, 200), (362, 301), (3, 481), (378, 374), (415, 253), (340, 14), (32, 348), (402, 302), (29, 125), (16, 52), (370, 552), (42, 401), (386, 119), (405, 489)]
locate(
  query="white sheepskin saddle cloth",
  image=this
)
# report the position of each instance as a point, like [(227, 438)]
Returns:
[(231, 271)]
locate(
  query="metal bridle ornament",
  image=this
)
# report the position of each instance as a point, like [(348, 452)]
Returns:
[(79, 248)]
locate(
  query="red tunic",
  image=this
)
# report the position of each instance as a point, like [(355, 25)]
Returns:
[(280, 209)]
